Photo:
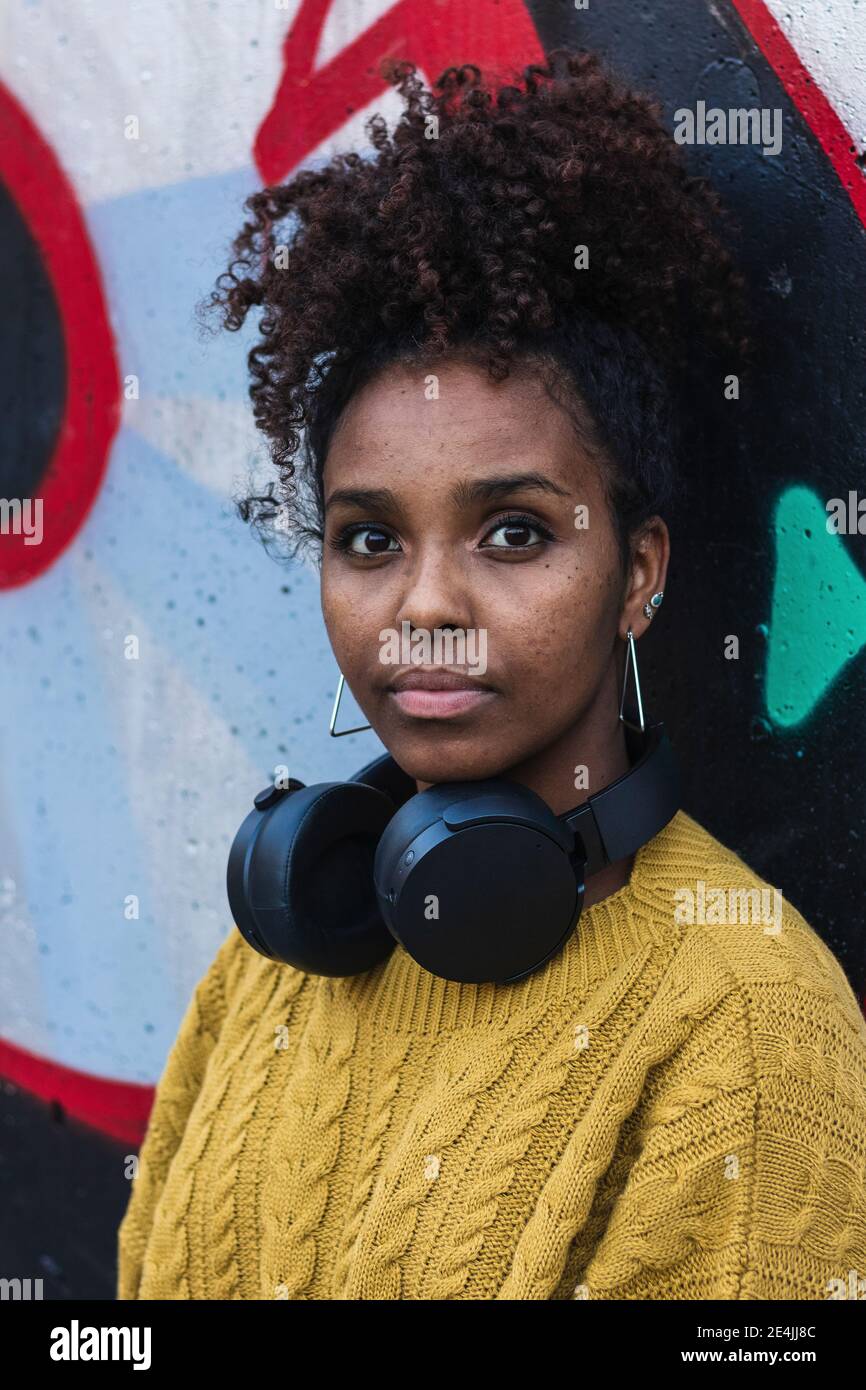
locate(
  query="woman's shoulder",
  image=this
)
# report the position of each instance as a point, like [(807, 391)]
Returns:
[(772, 956), (238, 980), (757, 1046), (751, 1049)]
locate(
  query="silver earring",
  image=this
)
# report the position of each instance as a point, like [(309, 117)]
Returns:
[(332, 729), (631, 657), (654, 603)]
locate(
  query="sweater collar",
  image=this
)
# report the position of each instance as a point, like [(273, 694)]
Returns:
[(400, 996)]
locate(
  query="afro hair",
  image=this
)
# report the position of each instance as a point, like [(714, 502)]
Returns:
[(461, 233)]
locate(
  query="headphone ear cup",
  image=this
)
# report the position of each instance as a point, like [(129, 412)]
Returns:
[(478, 881), (301, 881)]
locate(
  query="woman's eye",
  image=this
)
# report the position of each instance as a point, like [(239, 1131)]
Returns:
[(516, 534), (370, 540)]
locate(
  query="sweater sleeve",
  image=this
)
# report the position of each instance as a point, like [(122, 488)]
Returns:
[(749, 1180), (174, 1097)]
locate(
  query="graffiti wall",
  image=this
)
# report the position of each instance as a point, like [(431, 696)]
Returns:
[(156, 663)]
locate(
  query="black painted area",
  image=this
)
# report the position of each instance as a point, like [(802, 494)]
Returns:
[(68, 1235), (791, 803), (32, 359)]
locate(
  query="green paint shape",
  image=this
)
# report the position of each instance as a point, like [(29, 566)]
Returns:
[(818, 616)]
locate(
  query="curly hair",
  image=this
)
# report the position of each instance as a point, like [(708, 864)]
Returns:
[(458, 235)]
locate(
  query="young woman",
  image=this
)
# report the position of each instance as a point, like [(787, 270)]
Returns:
[(472, 351)]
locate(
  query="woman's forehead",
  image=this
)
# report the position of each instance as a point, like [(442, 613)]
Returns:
[(452, 412)]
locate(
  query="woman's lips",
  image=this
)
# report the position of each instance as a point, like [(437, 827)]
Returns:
[(437, 694), (439, 704)]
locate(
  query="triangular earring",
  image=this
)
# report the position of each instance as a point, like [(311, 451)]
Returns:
[(332, 729), (631, 659)]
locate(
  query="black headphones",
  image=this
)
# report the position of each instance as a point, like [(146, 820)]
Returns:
[(478, 881)]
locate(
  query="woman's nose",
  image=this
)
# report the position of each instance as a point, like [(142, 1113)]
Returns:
[(435, 595)]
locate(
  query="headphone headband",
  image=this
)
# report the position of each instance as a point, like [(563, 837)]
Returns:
[(612, 823)]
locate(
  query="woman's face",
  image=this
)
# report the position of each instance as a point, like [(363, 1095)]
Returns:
[(463, 511)]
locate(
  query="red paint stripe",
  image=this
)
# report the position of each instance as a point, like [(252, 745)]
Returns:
[(836, 142), (117, 1108), (46, 200), (310, 104)]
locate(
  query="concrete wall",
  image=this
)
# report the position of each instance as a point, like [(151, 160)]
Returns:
[(129, 137)]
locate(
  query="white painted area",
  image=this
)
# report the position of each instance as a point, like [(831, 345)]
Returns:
[(82, 71), (830, 39), (215, 442), (198, 74), (344, 23)]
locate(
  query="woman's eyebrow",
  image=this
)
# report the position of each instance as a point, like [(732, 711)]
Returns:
[(470, 491), (465, 494), (381, 498)]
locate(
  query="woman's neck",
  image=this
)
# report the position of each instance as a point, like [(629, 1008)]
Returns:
[(587, 757)]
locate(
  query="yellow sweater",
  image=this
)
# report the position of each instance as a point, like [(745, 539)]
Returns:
[(666, 1110)]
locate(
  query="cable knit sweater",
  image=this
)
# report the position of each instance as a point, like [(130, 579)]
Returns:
[(666, 1110)]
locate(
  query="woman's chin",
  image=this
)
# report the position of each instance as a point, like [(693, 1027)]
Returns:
[(442, 764)]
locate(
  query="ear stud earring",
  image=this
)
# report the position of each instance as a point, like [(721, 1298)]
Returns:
[(654, 603)]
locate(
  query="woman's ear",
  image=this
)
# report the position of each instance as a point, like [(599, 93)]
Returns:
[(650, 552)]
